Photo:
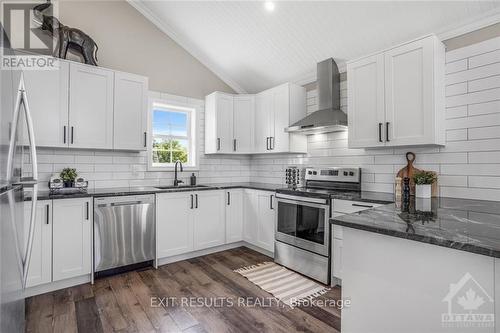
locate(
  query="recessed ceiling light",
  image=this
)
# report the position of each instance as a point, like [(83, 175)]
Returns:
[(269, 6)]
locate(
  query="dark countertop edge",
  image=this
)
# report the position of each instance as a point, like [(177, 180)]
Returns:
[(47, 196), (422, 239)]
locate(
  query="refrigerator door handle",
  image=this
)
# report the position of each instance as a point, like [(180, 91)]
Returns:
[(22, 99)]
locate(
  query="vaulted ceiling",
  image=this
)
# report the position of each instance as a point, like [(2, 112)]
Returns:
[(253, 49)]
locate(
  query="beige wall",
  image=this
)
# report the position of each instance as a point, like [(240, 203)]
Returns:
[(473, 37), (129, 42)]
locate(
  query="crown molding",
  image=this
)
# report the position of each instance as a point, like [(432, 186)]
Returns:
[(165, 28)]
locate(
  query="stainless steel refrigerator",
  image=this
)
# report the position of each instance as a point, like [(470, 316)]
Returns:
[(15, 240)]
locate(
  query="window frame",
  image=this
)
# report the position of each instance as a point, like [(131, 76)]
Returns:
[(193, 111)]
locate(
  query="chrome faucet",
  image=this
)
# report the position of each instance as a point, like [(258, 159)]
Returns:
[(177, 181)]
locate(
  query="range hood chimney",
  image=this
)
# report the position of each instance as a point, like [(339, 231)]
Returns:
[(329, 117)]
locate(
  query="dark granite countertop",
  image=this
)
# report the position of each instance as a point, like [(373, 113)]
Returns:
[(467, 225), (118, 191)]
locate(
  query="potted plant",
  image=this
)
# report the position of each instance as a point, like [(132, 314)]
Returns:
[(423, 183), (68, 176)]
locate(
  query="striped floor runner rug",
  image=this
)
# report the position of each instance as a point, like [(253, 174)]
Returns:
[(289, 287)]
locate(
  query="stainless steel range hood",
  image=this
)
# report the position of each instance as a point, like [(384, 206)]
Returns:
[(329, 117)]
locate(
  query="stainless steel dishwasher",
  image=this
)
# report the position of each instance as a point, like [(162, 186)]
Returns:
[(124, 231)]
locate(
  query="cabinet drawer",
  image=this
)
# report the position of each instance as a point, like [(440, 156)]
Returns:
[(349, 207)]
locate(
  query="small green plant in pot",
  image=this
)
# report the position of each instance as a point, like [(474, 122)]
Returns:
[(68, 176), (423, 183)]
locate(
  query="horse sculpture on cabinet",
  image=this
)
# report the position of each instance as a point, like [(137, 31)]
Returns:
[(67, 38)]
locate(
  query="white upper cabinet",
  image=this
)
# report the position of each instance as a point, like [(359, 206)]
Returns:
[(246, 124), (276, 109), (91, 107), (243, 123), (218, 123), (365, 90), (396, 97), (48, 95), (130, 112)]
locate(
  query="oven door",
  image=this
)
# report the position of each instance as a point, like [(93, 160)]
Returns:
[(303, 222)]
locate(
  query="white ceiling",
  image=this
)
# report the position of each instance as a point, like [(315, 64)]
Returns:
[(252, 49)]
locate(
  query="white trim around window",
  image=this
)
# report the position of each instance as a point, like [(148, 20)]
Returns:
[(193, 111)]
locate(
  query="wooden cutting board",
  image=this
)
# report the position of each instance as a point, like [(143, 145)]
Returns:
[(409, 170)]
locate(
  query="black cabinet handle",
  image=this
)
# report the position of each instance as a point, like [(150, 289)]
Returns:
[(366, 206), (72, 134), (234, 144), (228, 198), (192, 205), (267, 143), (380, 132), (88, 212), (218, 144), (145, 139), (387, 132), (48, 213), (196, 201), (64, 134), (271, 201)]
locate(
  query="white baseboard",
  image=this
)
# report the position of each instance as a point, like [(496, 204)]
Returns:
[(48, 287)]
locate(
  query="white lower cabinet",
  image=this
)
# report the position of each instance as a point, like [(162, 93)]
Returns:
[(174, 223), (188, 221), (234, 215), (72, 245), (40, 269), (265, 220), (209, 221), (337, 258), (259, 216)]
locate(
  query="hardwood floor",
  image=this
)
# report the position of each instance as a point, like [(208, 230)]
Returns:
[(123, 303)]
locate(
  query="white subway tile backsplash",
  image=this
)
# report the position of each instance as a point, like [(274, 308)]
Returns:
[(456, 135), (484, 157), (484, 108), (483, 84), (456, 66), (473, 98), (456, 89), (492, 132), (485, 59), (484, 182), (473, 74), (456, 112)]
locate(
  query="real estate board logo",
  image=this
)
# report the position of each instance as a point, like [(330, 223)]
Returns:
[(24, 45), (469, 305)]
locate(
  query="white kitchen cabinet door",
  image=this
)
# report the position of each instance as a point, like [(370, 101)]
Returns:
[(234, 215), (224, 116), (174, 223), (209, 223), (365, 95), (265, 220), (130, 111), (264, 121), (40, 269), (243, 122), (250, 216), (280, 119), (72, 225), (90, 107), (48, 94), (409, 94), (337, 258)]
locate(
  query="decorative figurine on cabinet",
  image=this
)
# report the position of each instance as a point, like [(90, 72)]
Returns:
[(67, 38)]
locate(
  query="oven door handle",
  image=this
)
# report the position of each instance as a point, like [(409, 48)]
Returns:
[(304, 203), (302, 199)]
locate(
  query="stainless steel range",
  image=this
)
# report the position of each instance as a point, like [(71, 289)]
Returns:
[(302, 223)]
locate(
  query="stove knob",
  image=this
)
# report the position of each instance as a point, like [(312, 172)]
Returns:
[(315, 173), (351, 173), (345, 173)]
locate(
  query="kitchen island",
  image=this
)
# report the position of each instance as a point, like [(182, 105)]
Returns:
[(425, 266)]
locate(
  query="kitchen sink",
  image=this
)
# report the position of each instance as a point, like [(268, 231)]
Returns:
[(171, 187)]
